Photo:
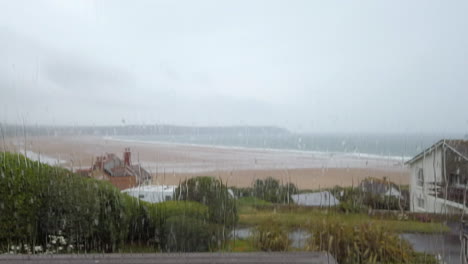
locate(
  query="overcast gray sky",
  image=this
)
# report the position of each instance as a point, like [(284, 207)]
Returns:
[(315, 66)]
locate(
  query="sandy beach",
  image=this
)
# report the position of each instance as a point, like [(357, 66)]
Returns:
[(171, 163)]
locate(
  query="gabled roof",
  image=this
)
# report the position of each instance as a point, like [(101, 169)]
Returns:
[(459, 146)]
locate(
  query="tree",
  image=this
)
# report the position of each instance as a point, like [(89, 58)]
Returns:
[(271, 190), (212, 193), (222, 211)]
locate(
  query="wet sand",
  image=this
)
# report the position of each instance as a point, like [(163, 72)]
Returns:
[(172, 163)]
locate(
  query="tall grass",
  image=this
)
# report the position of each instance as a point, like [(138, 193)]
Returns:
[(270, 236), (365, 243)]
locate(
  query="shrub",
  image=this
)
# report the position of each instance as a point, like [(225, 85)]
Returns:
[(350, 207), (272, 191), (138, 221), (186, 234), (38, 201), (356, 200), (270, 236), (365, 243), (222, 209), (212, 193), (167, 235)]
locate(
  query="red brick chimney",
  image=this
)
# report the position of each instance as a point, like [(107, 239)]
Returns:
[(127, 156), (98, 163)]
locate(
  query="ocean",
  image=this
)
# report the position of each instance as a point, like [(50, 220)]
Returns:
[(386, 145)]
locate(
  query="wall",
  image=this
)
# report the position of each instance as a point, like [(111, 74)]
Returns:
[(123, 182), (432, 166)]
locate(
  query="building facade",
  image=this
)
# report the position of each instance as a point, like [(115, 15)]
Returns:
[(439, 175), (121, 173)]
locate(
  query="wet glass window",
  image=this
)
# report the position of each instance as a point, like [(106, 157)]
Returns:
[(263, 130)]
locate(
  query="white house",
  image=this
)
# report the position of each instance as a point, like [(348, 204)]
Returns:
[(439, 177), (152, 193)]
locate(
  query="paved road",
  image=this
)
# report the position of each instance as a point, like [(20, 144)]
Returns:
[(261, 257)]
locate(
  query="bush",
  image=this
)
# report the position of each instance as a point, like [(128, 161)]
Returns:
[(38, 201), (365, 243), (214, 194), (356, 200), (351, 207), (222, 209), (140, 230), (186, 234), (163, 217), (270, 236), (272, 191)]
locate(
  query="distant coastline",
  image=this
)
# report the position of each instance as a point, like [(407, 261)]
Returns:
[(358, 155), (170, 162)]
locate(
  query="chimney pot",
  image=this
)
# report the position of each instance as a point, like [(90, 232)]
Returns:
[(127, 157)]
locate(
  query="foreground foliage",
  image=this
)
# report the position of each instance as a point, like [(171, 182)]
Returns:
[(39, 203), (270, 236), (363, 243), (222, 210)]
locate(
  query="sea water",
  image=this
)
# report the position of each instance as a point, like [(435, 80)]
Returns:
[(401, 146)]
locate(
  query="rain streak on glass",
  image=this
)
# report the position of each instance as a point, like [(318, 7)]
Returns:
[(274, 131)]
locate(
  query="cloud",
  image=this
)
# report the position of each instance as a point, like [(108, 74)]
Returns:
[(83, 75)]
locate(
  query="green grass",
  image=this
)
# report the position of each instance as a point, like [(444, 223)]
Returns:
[(241, 245), (249, 204), (425, 258), (300, 217), (252, 201)]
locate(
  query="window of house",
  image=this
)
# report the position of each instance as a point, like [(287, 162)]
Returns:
[(420, 180), (420, 202)]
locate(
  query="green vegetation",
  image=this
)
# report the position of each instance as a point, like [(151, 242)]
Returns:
[(252, 202), (39, 201), (364, 243), (270, 236), (214, 194), (241, 245), (355, 200), (222, 213), (270, 190), (58, 211), (347, 236), (45, 208), (293, 217)]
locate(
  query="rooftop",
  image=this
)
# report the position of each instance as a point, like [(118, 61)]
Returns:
[(458, 146)]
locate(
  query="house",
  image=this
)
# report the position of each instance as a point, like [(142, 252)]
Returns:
[(318, 199), (121, 173), (439, 177), (381, 187), (152, 193)]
